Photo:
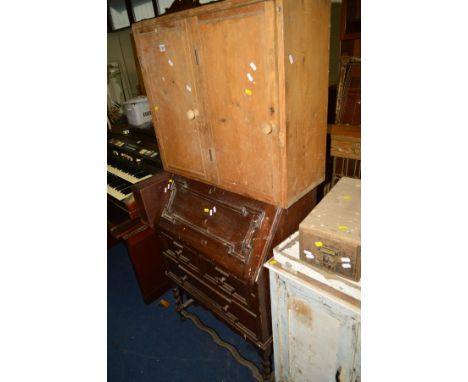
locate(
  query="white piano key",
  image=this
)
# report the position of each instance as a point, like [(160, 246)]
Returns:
[(124, 175), (117, 194)]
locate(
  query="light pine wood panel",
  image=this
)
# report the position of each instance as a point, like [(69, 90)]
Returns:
[(261, 131), (169, 79), (239, 79), (306, 28)]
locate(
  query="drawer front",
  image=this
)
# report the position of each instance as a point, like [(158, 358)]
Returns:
[(227, 284), (333, 256), (215, 298), (180, 253), (221, 279)]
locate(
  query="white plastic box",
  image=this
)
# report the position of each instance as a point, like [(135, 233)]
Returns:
[(137, 111)]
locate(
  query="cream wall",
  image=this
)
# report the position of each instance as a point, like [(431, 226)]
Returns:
[(119, 48)]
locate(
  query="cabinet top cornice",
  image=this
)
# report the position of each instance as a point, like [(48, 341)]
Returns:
[(145, 25)]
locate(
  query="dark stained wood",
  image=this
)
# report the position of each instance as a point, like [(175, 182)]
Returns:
[(123, 221), (351, 48), (348, 103), (350, 20), (148, 263), (350, 29), (215, 243), (150, 197)]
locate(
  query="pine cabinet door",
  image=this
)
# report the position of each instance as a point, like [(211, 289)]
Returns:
[(168, 68), (239, 77)]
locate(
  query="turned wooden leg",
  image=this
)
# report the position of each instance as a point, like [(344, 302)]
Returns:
[(177, 296), (266, 363)]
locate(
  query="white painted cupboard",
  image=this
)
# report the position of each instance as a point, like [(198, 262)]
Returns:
[(316, 321)]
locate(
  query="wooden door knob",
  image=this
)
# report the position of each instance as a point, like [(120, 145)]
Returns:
[(267, 128), (192, 114)]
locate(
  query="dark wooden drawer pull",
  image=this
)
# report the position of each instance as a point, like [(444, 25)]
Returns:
[(178, 245), (222, 272)]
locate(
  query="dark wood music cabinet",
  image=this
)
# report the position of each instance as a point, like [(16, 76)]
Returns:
[(215, 244)]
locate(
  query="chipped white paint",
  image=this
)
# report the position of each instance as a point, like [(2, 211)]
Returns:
[(291, 59), (315, 333), (162, 47), (214, 209), (188, 87), (170, 62), (345, 260), (211, 212), (252, 65), (165, 189), (249, 76), (346, 265)]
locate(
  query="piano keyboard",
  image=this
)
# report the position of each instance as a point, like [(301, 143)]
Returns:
[(117, 187), (132, 176)]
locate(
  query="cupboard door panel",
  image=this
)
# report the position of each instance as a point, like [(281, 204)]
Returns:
[(238, 71), (172, 92)]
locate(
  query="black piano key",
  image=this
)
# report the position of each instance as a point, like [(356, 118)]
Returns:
[(122, 186), (113, 183), (139, 173), (127, 190)]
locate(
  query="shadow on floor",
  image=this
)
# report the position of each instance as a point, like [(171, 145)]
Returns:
[(151, 343)]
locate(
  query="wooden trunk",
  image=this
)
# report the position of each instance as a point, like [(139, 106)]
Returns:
[(215, 244), (330, 236), (238, 94)]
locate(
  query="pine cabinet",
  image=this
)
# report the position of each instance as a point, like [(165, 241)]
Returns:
[(238, 94)]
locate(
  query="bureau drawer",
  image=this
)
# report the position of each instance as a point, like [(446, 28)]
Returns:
[(215, 298), (221, 279), (225, 283), (180, 252)]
